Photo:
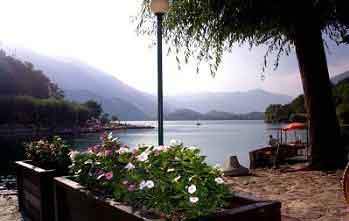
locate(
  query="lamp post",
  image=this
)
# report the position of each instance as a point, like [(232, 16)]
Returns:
[(159, 8)]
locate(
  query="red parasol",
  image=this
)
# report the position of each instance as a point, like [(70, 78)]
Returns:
[(294, 126)]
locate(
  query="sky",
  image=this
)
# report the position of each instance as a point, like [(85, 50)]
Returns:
[(101, 33)]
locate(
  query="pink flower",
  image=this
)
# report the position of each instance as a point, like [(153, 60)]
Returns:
[(125, 182), (131, 188), (109, 175), (108, 153)]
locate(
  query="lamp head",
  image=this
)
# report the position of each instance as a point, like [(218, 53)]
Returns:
[(159, 6)]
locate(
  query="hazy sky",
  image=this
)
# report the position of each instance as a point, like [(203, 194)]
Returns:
[(101, 34)]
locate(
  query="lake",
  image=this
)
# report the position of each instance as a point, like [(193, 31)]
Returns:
[(216, 139)]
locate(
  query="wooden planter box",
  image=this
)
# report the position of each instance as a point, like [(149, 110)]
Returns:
[(73, 203), (35, 191)]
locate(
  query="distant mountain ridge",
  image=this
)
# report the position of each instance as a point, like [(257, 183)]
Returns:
[(233, 102), (187, 114), (82, 82), (336, 79)]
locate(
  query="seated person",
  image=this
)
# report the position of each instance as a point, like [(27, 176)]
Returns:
[(272, 141)]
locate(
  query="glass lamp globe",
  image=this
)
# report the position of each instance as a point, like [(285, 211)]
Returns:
[(159, 6)]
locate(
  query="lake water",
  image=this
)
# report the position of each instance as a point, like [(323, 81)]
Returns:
[(216, 139)]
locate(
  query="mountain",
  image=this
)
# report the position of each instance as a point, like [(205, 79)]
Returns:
[(233, 102), (116, 106), (336, 79), (82, 82), (187, 114)]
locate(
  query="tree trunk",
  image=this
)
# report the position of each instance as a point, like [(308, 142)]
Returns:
[(327, 149)]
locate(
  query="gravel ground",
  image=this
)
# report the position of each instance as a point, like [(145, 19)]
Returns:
[(310, 195)]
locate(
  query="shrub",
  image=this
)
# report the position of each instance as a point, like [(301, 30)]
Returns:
[(173, 181), (49, 154)]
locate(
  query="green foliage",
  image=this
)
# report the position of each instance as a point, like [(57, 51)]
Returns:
[(21, 78), (105, 118), (276, 113), (174, 181), (49, 154), (30, 111), (204, 29), (343, 113), (95, 108)]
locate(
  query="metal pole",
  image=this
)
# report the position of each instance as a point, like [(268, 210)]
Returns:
[(160, 88)]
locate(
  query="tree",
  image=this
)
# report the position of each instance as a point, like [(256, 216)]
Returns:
[(204, 29), (115, 118), (105, 118), (94, 108)]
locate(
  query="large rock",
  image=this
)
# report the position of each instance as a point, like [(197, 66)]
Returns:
[(232, 167)]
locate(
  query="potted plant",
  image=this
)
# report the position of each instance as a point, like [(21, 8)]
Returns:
[(46, 159), (151, 183)]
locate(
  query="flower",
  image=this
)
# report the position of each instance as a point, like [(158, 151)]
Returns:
[(130, 166), (192, 189), (131, 188), (142, 185), (150, 184), (115, 139), (219, 180), (175, 143), (125, 182), (142, 157), (41, 142), (176, 179), (170, 170), (108, 153), (100, 176), (194, 199), (109, 175), (123, 150), (73, 154), (89, 161), (192, 148), (110, 135)]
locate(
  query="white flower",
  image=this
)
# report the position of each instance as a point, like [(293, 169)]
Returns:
[(89, 161), (73, 154), (218, 167), (194, 199), (110, 135), (123, 150), (192, 189), (170, 170), (150, 184), (130, 166), (115, 139), (100, 176), (142, 157), (41, 142), (219, 180), (177, 178), (174, 143), (192, 148), (142, 185)]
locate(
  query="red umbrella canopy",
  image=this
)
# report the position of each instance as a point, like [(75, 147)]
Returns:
[(294, 126)]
